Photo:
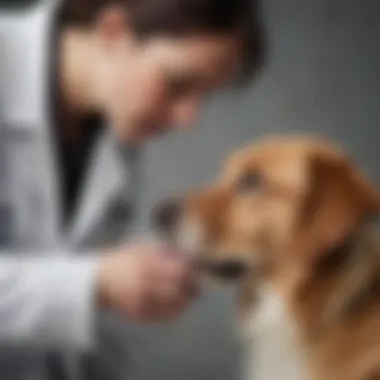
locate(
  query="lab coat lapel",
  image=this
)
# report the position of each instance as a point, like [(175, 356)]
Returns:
[(26, 113), (107, 193)]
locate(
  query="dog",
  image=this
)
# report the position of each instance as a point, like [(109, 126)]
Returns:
[(289, 220)]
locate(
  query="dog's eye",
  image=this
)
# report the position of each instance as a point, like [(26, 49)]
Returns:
[(250, 181)]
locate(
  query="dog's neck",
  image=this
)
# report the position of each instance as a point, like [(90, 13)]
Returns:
[(340, 287)]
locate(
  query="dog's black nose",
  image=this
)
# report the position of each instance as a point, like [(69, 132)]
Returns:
[(166, 214)]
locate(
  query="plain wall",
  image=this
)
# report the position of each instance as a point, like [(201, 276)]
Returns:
[(323, 76)]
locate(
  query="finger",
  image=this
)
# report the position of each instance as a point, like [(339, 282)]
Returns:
[(169, 288), (168, 293), (148, 307), (157, 310), (192, 289), (174, 270), (168, 310)]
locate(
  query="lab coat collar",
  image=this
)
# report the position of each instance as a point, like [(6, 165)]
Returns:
[(27, 43)]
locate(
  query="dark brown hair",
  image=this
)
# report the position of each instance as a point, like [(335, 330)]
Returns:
[(180, 17)]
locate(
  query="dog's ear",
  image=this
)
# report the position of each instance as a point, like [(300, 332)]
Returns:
[(338, 201)]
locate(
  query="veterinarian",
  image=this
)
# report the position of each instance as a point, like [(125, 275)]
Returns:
[(82, 86)]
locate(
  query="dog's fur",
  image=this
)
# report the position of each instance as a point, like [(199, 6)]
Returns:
[(295, 213)]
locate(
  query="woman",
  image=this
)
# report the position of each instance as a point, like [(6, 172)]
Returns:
[(82, 86)]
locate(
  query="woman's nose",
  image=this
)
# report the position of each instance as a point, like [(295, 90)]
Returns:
[(185, 114)]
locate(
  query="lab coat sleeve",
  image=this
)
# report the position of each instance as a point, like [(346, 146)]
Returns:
[(47, 302)]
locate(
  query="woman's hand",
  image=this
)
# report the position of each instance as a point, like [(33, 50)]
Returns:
[(145, 282)]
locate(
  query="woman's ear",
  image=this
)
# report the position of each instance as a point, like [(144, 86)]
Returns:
[(339, 201)]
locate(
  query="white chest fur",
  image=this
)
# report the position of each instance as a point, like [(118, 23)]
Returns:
[(273, 350)]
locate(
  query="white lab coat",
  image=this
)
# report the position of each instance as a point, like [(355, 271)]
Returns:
[(47, 274)]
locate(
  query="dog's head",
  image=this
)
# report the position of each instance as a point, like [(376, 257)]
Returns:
[(282, 202)]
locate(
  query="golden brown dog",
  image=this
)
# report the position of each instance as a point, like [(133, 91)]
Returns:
[(289, 219)]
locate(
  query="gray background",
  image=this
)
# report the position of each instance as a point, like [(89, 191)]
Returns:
[(323, 76)]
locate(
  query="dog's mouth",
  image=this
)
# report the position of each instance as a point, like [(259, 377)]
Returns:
[(188, 235), (224, 269)]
